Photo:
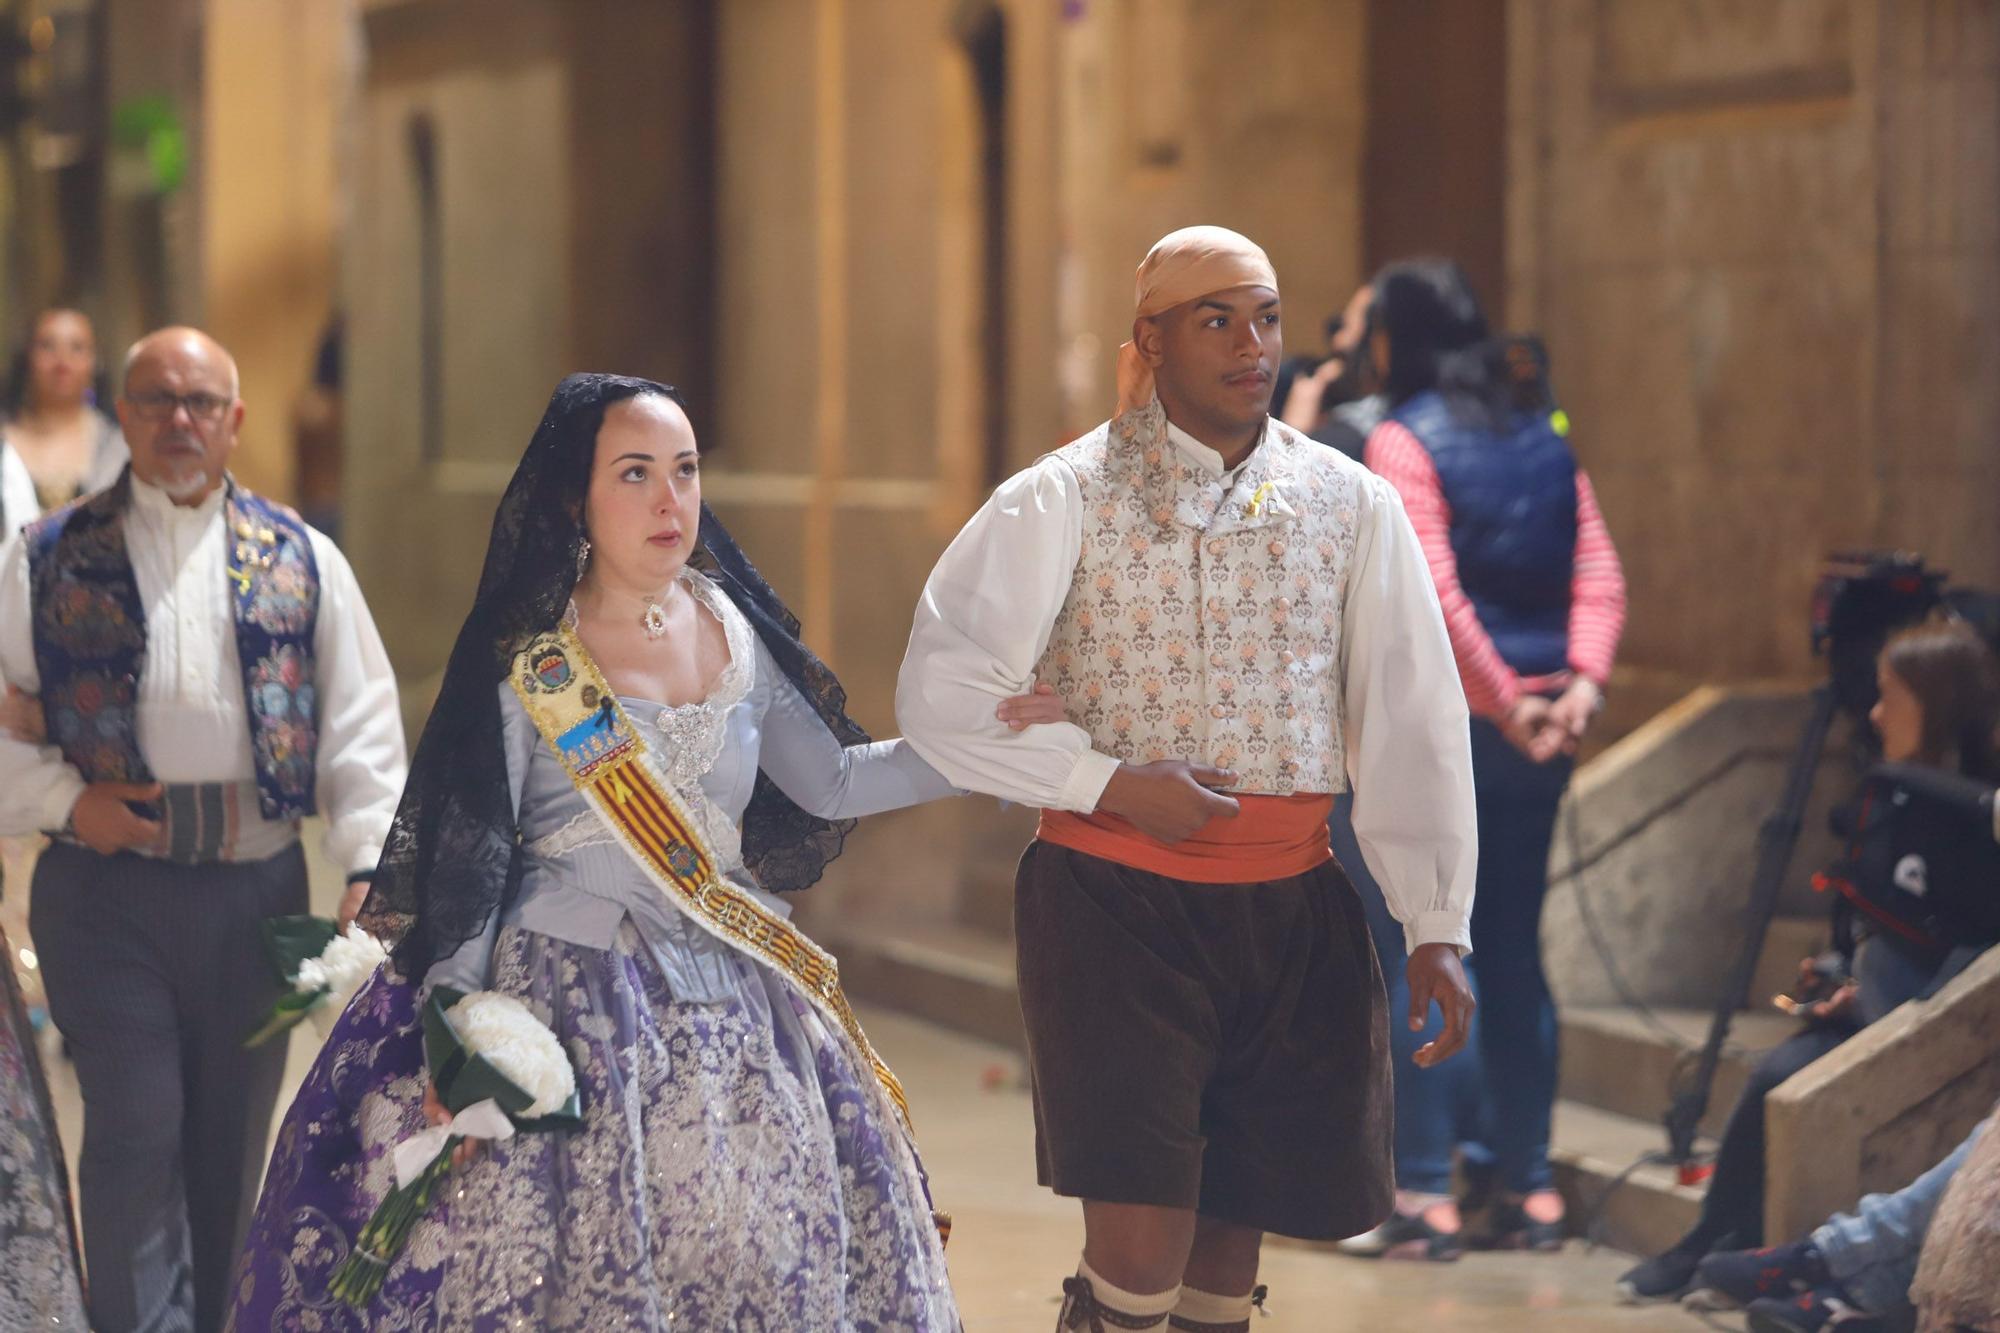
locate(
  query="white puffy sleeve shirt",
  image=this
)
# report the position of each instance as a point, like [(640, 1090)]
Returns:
[(989, 607), (193, 725)]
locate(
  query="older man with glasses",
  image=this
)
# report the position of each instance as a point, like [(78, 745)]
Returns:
[(208, 676)]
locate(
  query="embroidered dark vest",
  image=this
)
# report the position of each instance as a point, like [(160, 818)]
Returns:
[(89, 630), (1512, 494)]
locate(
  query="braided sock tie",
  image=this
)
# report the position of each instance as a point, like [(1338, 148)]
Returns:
[(1084, 1313)]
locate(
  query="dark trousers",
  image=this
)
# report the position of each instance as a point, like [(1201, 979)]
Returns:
[(1517, 801), (1732, 1212), (156, 972), (1214, 1047)]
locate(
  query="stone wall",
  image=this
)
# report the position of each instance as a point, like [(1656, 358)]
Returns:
[(1666, 823), (1761, 242), (270, 212)]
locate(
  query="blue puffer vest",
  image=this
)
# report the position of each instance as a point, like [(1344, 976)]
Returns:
[(1512, 494)]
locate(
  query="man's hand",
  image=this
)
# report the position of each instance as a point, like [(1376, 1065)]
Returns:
[(1436, 976), (1573, 712), (1169, 800), (350, 904), (105, 824)]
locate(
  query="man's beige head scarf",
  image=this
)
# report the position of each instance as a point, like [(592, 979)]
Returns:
[(1184, 266)]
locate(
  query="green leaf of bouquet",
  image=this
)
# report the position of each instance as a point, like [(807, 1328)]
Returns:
[(290, 940), (287, 1012)]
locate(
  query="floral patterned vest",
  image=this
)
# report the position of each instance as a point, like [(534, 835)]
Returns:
[(1203, 621), (90, 639)]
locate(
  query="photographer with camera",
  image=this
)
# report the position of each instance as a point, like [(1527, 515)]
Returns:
[(1916, 904)]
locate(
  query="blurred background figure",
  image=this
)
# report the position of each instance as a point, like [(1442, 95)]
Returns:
[(60, 440), (1534, 599), (1334, 400), (316, 427)]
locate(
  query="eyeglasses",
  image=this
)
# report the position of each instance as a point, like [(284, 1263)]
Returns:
[(159, 405)]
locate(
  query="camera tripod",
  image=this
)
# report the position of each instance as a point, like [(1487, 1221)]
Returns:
[(1859, 600), (1777, 838)]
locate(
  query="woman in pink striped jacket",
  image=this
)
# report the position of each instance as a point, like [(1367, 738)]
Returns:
[(1534, 600)]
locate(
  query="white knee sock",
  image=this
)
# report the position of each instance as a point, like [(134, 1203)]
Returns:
[(1156, 1306), (1199, 1309)]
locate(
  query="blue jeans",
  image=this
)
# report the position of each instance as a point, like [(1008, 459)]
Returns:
[(1873, 1252), (1517, 801), (1506, 1096)]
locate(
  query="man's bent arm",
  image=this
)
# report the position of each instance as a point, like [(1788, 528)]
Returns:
[(981, 626), (362, 762)]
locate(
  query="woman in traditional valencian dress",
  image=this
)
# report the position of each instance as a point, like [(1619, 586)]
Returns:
[(39, 1287), (630, 754)]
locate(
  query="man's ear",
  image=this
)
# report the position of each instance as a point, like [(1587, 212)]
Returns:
[(1149, 339)]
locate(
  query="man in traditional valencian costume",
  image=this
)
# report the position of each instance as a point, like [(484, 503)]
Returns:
[(1241, 623), (209, 675)]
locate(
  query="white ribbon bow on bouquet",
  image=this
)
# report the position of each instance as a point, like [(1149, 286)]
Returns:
[(481, 1120)]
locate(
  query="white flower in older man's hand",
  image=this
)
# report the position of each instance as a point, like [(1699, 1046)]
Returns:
[(348, 960), (499, 1029)]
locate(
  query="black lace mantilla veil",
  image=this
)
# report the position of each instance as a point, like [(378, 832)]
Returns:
[(453, 857)]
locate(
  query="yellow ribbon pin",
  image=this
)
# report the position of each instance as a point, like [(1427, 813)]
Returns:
[(1264, 492)]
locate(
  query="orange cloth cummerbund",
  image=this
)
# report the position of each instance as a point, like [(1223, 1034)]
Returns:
[(1271, 837)]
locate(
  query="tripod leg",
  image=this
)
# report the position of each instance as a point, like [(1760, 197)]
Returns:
[(1776, 841)]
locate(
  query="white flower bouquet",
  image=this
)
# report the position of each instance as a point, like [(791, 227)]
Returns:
[(321, 966), (498, 1070)]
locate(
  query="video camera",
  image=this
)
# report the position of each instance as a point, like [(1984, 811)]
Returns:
[(1863, 597)]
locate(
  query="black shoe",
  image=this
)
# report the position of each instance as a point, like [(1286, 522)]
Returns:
[(1405, 1236), (1513, 1229), (1778, 1272), (1664, 1277), (1811, 1311)]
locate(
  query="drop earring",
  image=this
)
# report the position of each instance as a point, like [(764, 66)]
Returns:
[(583, 557)]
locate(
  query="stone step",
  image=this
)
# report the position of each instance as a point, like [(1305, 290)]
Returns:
[(1616, 1195), (1622, 1061)]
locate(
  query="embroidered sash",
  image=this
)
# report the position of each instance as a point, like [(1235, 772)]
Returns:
[(89, 630), (578, 715)]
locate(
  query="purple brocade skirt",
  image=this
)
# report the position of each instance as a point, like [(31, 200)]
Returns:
[(38, 1265), (733, 1171)]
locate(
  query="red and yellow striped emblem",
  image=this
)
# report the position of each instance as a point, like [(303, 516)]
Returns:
[(628, 792)]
